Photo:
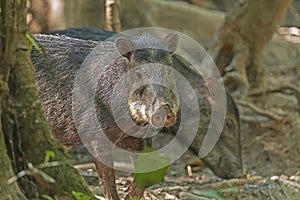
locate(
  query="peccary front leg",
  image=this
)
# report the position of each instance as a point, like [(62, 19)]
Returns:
[(134, 192), (107, 176)]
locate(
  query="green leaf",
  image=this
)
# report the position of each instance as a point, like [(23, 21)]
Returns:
[(49, 154), (209, 194), (232, 190), (47, 197), (155, 166), (135, 198), (33, 42), (80, 196)]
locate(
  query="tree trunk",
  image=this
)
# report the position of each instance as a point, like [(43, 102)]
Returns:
[(113, 22), (239, 42), (23, 124), (8, 191)]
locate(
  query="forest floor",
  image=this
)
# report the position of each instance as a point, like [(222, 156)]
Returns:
[(270, 129)]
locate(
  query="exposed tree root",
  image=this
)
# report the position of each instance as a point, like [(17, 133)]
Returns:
[(286, 89), (277, 118)]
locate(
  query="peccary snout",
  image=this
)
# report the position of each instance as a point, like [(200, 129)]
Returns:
[(163, 117)]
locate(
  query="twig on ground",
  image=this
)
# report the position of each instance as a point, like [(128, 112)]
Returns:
[(286, 89), (261, 111), (189, 170), (232, 182), (290, 183)]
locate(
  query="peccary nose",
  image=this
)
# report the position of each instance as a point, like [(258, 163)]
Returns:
[(163, 118)]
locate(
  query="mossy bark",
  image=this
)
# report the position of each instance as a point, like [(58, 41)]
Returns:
[(238, 45), (24, 127), (8, 191)]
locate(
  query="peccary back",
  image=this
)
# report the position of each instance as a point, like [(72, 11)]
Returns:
[(55, 77)]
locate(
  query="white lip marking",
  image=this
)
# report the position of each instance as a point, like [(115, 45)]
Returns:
[(132, 108), (143, 111), (140, 111)]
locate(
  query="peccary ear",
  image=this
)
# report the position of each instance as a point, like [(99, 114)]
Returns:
[(213, 86), (172, 41), (125, 47)]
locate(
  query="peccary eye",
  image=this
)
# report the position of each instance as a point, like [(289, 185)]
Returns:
[(138, 75), (140, 90), (228, 124)]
